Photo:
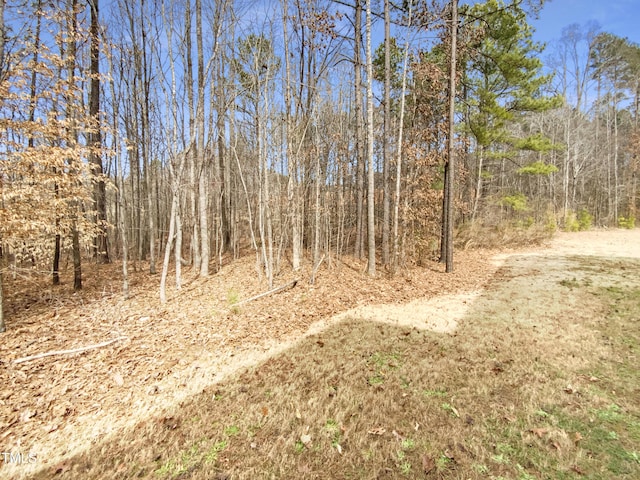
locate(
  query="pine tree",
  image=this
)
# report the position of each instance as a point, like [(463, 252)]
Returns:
[(503, 80)]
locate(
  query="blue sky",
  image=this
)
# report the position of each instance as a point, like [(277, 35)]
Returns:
[(620, 17)]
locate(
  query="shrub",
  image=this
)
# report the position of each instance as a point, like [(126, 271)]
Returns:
[(585, 219), (516, 201), (576, 223), (551, 225), (627, 222), (571, 223)]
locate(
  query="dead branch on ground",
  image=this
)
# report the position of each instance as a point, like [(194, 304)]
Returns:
[(270, 292), (67, 352)]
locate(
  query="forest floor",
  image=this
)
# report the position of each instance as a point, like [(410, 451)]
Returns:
[(520, 362)]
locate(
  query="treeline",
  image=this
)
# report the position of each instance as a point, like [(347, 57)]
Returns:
[(172, 133)]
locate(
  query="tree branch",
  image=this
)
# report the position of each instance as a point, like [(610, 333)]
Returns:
[(67, 352), (270, 292)]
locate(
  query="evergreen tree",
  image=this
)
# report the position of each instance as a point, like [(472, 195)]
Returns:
[(503, 81)]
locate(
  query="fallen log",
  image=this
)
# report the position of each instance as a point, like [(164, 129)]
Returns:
[(67, 352), (265, 294)]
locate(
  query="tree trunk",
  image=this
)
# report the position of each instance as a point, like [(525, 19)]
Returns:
[(73, 136), (615, 154), (396, 198), (293, 199), (386, 137), (450, 167), (77, 260), (2, 324), (203, 197), (168, 247), (371, 179), (3, 33), (100, 246), (478, 189), (191, 146), (359, 120), (56, 254)]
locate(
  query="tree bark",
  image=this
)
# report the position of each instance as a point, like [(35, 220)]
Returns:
[(203, 197), (292, 155), (191, 146), (371, 179), (100, 246), (450, 167), (3, 33), (359, 133), (396, 198), (73, 135), (386, 137), (2, 324)]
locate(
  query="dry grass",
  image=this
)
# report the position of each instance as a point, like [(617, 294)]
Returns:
[(504, 233), (513, 394)]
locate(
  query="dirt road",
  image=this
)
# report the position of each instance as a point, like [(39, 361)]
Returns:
[(537, 272)]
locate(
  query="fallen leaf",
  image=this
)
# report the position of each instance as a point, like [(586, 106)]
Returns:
[(539, 432), (577, 437), (265, 411), (62, 467), (170, 423), (27, 414), (51, 428), (577, 470), (428, 464), (118, 380)]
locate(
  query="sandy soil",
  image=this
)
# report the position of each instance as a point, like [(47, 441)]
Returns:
[(442, 313), (67, 431)]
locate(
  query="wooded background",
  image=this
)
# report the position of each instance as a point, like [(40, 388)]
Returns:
[(181, 133)]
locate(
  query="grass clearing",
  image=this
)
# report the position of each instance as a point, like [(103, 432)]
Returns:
[(510, 395)]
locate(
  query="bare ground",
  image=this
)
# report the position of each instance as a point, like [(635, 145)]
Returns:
[(60, 406)]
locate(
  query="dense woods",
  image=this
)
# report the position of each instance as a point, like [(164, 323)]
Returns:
[(184, 134)]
